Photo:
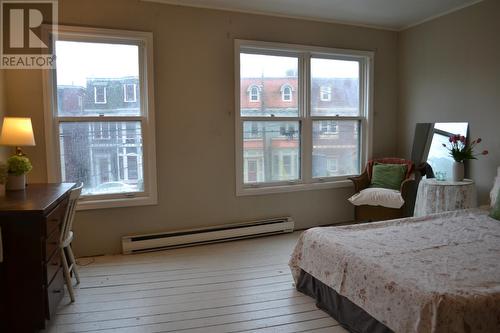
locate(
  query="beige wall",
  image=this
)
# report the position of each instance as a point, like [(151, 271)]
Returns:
[(3, 103), (195, 136), (450, 71)]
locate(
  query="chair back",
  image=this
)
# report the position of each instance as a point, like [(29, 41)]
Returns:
[(67, 225), (390, 160)]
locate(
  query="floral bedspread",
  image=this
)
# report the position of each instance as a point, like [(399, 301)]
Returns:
[(439, 273)]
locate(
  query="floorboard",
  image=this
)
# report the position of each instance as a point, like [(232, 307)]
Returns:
[(241, 286)]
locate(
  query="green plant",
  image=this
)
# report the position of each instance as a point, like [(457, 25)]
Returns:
[(19, 165), (460, 150), (3, 173)]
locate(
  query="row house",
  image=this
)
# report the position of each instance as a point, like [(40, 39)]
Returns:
[(271, 148), (107, 153)]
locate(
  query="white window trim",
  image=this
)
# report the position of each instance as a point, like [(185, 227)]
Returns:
[(306, 181), (283, 88), (134, 99), (145, 41), (95, 95), (250, 88), (328, 91), (100, 136), (329, 131)]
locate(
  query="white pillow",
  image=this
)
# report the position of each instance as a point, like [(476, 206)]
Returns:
[(496, 188), (378, 197)]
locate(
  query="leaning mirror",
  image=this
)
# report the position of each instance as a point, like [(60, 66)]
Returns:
[(428, 146)]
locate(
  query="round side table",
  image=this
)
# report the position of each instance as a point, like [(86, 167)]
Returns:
[(436, 196)]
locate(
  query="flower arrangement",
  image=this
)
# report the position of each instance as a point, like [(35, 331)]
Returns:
[(18, 165), (460, 150)]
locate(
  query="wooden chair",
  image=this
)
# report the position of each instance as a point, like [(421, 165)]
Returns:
[(378, 213), (67, 257)]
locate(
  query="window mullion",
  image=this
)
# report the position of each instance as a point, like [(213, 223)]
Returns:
[(306, 139)]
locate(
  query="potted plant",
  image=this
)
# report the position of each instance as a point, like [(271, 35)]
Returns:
[(18, 167), (3, 177), (461, 151)]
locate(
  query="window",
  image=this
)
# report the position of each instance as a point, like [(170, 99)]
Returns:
[(325, 93), (332, 165), (286, 93), (254, 95), (100, 95), (305, 143), (329, 127), (108, 142), (129, 93)]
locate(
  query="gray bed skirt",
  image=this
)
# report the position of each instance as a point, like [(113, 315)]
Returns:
[(349, 315)]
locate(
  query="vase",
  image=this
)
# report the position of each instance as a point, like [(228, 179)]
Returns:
[(458, 171), (16, 182)]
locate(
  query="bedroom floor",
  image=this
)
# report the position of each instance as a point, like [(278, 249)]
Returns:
[(241, 286)]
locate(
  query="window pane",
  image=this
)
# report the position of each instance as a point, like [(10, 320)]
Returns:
[(264, 83), (334, 87), (105, 156), (335, 148), (97, 79), (271, 151)]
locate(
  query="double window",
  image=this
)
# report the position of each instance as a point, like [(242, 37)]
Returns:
[(95, 133), (313, 140)]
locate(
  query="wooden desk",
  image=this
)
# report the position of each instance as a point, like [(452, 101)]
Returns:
[(31, 278)]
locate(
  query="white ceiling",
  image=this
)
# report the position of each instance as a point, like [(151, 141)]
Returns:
[(386, 14)]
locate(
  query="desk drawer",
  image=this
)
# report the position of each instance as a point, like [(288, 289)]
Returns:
[(52, 266), (55, 292), (55, 217), (52, 244)]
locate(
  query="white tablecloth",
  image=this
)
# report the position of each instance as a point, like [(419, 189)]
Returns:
[(436, 196)]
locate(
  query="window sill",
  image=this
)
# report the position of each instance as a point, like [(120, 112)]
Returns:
[(88, 204), (249, 191)]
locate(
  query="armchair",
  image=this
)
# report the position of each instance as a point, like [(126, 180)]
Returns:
[(407, 191)]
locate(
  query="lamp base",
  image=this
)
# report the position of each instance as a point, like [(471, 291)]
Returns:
[(19, 151)]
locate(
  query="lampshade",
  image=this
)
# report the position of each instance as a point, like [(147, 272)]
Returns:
[(17, 131)]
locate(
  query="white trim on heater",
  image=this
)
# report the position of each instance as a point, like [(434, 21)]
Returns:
[(191, 237)]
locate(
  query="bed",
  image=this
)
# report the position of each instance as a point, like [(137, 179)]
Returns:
[(439, 273)]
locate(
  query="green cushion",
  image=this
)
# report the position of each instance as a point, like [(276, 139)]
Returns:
[(495, 212), (388, 175)]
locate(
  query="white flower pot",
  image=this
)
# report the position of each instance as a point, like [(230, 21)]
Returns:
[(458, 171), (2, 190), (16, 182)]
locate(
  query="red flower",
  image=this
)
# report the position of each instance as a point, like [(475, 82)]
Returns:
[(485, 152), (462, 138), (451, 138), (479, 140)]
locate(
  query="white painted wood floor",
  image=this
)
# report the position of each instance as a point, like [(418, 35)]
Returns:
[(241, 286)]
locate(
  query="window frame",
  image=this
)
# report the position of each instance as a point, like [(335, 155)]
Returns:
[(251, 94), (144, 40), (125, 100), (304, 53), (327, 90), (105, 100), (289, 94)]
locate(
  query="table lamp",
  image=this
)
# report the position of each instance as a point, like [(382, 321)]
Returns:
[(17, 132)]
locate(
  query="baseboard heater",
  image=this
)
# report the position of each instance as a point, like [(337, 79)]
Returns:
[(215, 234)]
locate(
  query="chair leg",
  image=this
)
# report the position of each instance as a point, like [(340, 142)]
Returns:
[(73, 263), (67, 276)]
